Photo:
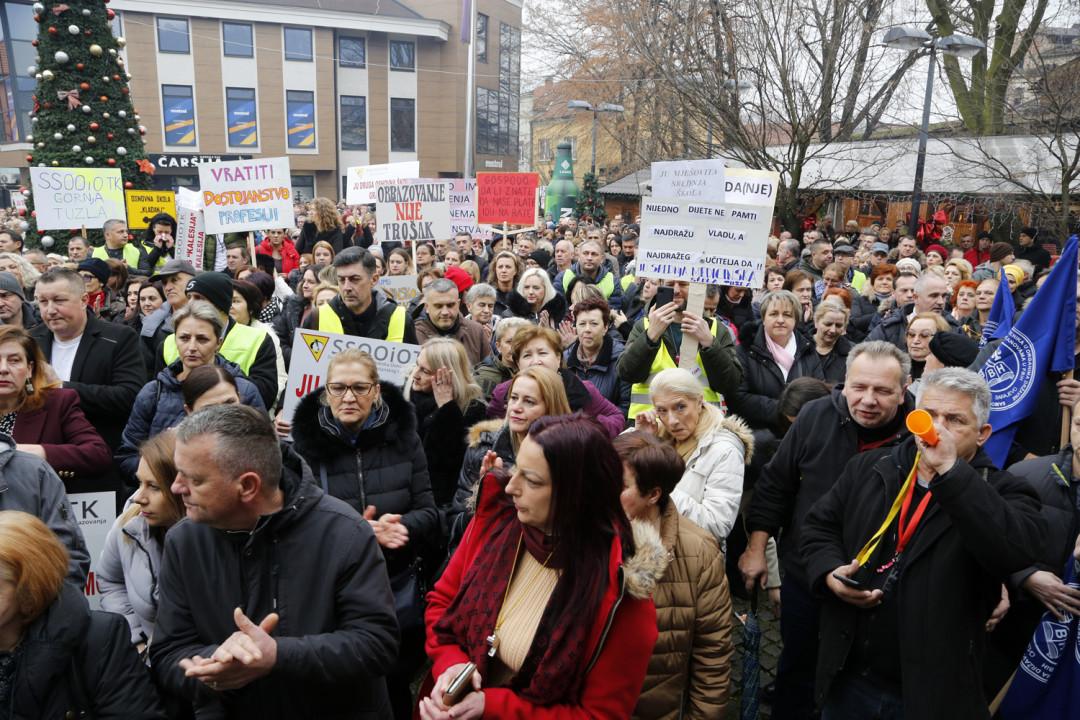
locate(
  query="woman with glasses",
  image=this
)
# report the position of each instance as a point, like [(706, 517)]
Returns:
[(359, 436), (920, 330)]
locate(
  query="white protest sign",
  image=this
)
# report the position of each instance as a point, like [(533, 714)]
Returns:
[(67, 198), (463, 210), (416, 211), (18, 201), (190, 230), (362, 181), (720, 243), (241, 195), (95, 514), (401, 288), (688, 180), (313, 349)]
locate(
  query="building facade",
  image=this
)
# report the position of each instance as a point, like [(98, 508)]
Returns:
[(329, 84)]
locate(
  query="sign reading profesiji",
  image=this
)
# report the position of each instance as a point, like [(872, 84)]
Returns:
[(508, 198), (246, 195)]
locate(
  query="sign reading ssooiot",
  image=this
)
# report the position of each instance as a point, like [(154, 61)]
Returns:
[(71, 197), (700, 241), (246, 195)]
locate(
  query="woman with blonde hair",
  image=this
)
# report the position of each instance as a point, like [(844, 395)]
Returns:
[(535, 299), (503, 274), (956, 271), (322, 253), (715, 448), (323, 293), (324, 225), (21, 268), (59, 658)]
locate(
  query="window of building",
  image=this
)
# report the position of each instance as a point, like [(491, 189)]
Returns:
[(573, 146), (178, 112), (481, 37), (352, 52), (240, 115), (543, 150), (497, 110), (117, 26), (17, 87), (172, 35), (353, 122), (402, 125), (300, 118), (238, 39), (298, 44), (402, 55), (303, 188)]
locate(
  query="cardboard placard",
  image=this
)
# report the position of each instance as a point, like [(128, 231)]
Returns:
[(401, 288), (66, 198), (463, 210), (416, 211), (95, 514), (688, 180), (362, 181), (508, 198), (190, 229), (313, 350), (145, 204), (241, 195)]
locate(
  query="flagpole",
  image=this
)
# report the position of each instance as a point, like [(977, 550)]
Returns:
[(470, 95), (1066, 416)]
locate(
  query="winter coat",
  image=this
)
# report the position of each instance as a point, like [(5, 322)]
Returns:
[(443, 431), (75, 662), (127, 575), (710, 490), (582, 395), (620, 639), (490, 373), (811, 456), (468, 332), (160, 406), (893, 326), (493, 435), (290, 258), (603, 373), (309, 235), (689, 673), (374, 322), (384, 466), (72, 446), (738, 314), (152, 332), (982, 525), (317, 564), (863, 312), (833, 367), (28, 484), (762, 381), (561, 282), (287, 321), (518, 306)]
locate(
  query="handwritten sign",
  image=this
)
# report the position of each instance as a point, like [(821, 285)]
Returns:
[(362, 181), (417, 210), (145, 204), (688, 180), (506, 198), (401, 288), (463, 210), (95, 514), (65, 198), (721, 243), (190, 230), (245, 195), (313, 350)]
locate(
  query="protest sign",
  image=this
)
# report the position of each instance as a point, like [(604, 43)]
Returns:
[(506, 198), (190, 230), (463, 209), (313, 350), (145, 204), (18, 200), (416, 210), (401, 288), (362, 181), (721, 243), (67, 198), (688, 180), (95, 514), (242, 195)]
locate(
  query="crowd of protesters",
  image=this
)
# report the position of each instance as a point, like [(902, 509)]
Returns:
[(551, 516)]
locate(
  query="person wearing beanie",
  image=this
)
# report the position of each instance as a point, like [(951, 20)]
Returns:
[(14, 310), (99, 296), (249, 347), (1015, 274), (936, 250), (460, 277), (951, 349), (1001, 254), (538, 258), (1027, 249), (159, 240)]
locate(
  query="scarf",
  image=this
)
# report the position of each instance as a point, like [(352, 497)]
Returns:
[(554, 669), (96, 301), (780, 354)]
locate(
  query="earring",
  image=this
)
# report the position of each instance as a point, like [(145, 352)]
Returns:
[(29, 387)]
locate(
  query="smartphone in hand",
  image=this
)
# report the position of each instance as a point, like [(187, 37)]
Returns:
[(850, 582), (460, 686)]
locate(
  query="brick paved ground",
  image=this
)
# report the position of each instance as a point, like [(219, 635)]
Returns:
[(770, 653)]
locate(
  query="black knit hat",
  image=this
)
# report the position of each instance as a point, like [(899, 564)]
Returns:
[(954, 349), (215, 287), (98, 268)]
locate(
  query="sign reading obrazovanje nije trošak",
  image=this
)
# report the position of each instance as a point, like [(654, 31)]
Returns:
[(712, 241)]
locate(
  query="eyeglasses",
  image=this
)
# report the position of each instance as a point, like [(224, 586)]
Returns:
[(358, 389), (924, 335)]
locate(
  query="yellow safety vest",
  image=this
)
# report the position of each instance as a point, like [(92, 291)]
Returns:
[(395, 330), (858, 279), (606, 285), (241, 346), (161, 260), (131, 255), (639, 393)]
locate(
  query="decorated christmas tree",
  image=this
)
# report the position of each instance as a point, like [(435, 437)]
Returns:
[(590, 202), (83, 116)]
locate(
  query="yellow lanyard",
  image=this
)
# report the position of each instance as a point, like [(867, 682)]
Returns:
[(871, 544)]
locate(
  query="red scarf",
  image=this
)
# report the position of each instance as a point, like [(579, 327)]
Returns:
[(554, 668), (96, 301)]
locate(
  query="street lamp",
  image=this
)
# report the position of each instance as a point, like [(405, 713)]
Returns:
[(909, 38), (602, 107)]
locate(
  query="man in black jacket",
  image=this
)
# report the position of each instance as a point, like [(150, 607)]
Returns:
[(866, 413), (903, 626), (275, 601)]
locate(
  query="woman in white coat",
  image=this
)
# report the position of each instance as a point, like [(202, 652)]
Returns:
[(715, 448)]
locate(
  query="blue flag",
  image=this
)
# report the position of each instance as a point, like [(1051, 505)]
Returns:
[(1047, 683), (999, 321), (1043, 340)]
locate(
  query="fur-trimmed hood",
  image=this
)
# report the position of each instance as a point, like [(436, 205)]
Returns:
[(736, 426), (490, 428), (643, 570), (315, 441)]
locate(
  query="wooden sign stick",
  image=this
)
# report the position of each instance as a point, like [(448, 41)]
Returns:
[(695, 303), (1066, 417)]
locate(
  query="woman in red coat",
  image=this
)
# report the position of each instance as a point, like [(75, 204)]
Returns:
[(548, 593), (277, 245), (44, 418)]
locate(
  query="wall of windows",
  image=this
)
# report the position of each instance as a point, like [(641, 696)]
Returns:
[(178, 111), (300, 119), (402, 125), (353, 122), (241, 117), (497, 110), (17, 29)]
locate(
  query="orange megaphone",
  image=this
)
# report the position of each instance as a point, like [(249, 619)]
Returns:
[(921, 424)]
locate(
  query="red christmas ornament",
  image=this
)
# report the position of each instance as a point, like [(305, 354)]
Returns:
[(22, 212), (88, 33), (80, 66), (128, 185), (142, 131), (110, 13), (109, 136), (60, 9), (104, 98), (29, 158), (84, 86), (94, 126), (40, 232), (111, 161), (47, 105), (116, 78), (33, 213), (52, 30), (34, 42), (123, 91)]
